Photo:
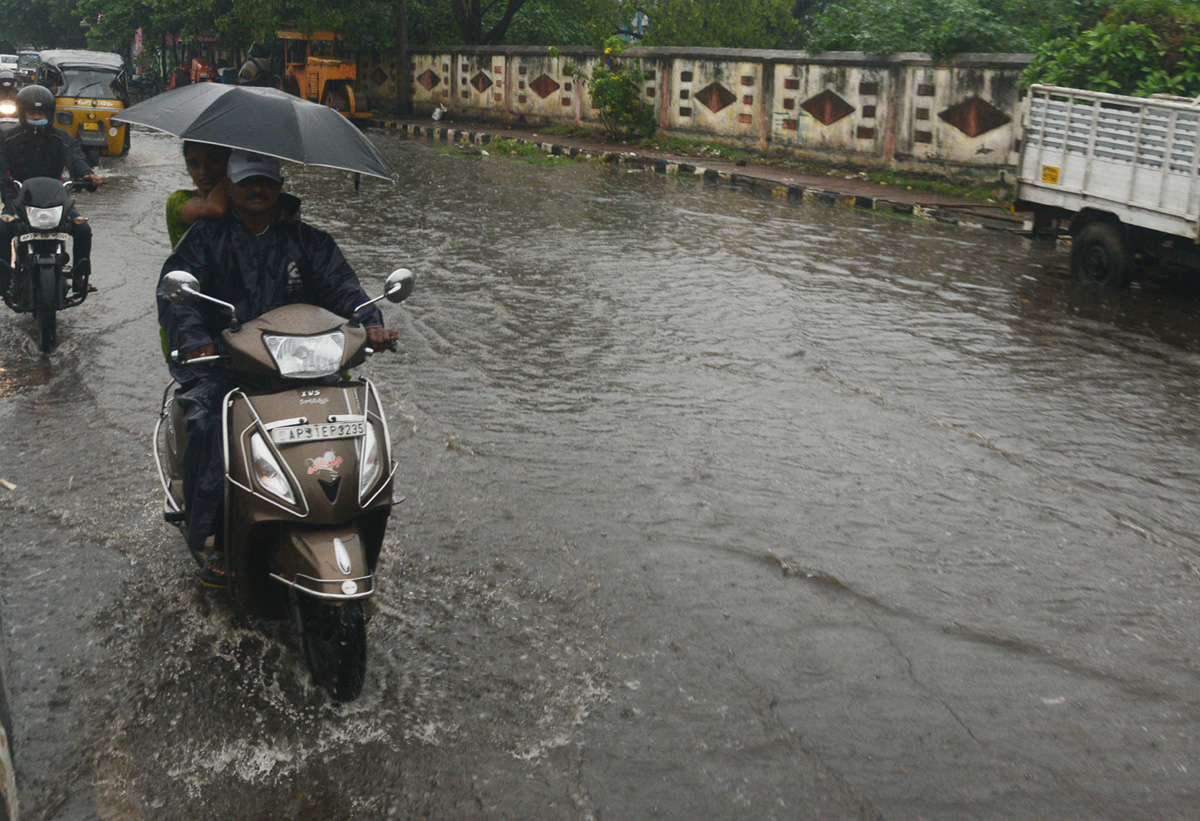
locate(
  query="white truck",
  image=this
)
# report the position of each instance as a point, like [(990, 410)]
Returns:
[(1122, 174)]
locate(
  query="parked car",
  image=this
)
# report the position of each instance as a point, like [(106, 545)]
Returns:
[(8, 61)]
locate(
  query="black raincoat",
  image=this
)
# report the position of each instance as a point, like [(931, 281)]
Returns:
[(290, 262), (24, 153)]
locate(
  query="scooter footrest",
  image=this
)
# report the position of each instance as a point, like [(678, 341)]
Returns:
[(174, 516)]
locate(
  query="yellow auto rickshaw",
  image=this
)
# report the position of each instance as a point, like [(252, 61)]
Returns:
[(90, 87)]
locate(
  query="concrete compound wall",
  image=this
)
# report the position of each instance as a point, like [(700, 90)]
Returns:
[(901, 111)]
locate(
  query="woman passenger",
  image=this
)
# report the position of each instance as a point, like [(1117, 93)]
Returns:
[(207, 165)]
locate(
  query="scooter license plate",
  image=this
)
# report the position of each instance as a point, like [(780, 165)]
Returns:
[(323, 430), (62, 237)]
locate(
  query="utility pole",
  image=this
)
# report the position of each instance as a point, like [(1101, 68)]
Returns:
[(403, 63)]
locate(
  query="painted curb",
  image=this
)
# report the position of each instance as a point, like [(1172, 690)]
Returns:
[(759, 185)]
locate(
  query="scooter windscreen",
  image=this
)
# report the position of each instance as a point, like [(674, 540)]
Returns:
[(296, 342)]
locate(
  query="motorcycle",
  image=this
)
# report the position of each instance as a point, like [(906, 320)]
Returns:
[(308, 475), (41, 266)]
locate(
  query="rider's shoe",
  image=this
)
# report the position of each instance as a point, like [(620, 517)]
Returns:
[(79, 278), (214, 572)]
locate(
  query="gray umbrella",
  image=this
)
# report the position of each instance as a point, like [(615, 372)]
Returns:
[(262, 120)]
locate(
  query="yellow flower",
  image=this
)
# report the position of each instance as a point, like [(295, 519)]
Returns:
[(608, 51)]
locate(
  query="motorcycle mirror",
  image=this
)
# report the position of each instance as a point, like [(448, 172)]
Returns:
[(399, 285), (178, 286)]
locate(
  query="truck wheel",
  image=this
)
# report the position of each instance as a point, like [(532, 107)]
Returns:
[(1101, 255)]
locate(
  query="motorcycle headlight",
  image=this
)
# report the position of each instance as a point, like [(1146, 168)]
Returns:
[(44, 219), (370, 464), (267, 471), (8, 109), (306, 357)]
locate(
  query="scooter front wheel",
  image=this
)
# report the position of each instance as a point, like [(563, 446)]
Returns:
[(335, 644)]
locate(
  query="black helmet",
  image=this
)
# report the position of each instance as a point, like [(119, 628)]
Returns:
[(8, 80), (36, 105)]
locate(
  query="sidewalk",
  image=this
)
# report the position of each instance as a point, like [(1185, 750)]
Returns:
[(845, 190)]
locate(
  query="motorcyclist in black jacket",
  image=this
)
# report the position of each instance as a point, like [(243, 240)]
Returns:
[(258, 257), (35, 148)]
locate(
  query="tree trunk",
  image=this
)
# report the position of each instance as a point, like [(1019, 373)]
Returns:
[(470, 20)]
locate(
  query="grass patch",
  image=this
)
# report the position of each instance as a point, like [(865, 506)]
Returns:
[(526, 152), (981, 192)]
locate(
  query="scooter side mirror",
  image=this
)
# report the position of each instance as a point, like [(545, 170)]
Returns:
[(178, 285), (399, 285)]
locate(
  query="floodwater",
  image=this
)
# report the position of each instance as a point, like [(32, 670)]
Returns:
[(718, 507)]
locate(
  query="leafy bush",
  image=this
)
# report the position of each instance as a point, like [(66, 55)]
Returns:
[(616, 89), (1141, 47)]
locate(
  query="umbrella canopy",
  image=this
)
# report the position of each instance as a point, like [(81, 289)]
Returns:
[(262, 120)]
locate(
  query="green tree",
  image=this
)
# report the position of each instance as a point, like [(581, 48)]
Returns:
[(565, 23), (940, 28), (716, 23), (484, 23), (45, 23), (1141, 47)]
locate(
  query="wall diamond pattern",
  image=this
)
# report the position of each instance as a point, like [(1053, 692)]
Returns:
[(827, 107), (714, 97), (481, 82), (428, 79), (543, 86), (975, 116)]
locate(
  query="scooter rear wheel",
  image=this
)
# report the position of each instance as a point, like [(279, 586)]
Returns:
[(335, 644)]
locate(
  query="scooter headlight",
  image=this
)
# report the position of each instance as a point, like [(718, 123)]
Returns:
[(44, 219), (8, 109), (267, 471), (306, 357), (370, 464)]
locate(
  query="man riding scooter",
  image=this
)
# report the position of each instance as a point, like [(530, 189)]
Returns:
[(35, 148), (256, 262)]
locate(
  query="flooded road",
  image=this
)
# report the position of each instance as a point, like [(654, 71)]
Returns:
[(718, 507)]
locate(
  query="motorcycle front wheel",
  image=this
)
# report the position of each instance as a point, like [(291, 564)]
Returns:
[(47, 307), (335, 644)]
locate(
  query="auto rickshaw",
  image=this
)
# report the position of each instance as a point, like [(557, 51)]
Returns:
[(90, 87), (27, 64)]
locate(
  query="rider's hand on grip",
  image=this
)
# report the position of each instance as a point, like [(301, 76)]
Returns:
[(196, 353), (382, 338)]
